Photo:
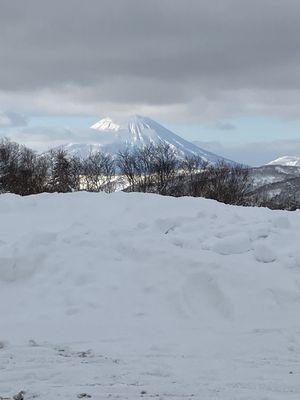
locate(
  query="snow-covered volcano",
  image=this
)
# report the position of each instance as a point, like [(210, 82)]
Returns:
[(112, 136)]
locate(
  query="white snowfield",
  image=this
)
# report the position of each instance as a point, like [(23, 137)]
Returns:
[(130, 296)]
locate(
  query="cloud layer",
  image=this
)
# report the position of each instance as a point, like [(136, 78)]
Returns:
[(9, 119), (254, 153), (185, 59)]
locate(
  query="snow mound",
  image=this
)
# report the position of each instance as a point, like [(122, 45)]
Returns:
[(235, 244), (264, 253), (137, 295)]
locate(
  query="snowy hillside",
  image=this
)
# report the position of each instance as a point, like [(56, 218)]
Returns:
[(286, 160), (111, 136), (130, 296), (269, 174), (279, 184)]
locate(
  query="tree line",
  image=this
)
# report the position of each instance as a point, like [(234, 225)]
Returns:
[(24, 172), (152, 169)]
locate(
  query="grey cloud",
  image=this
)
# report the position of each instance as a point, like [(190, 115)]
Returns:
[(41, 138), (9, 119), (158, 52), (226, 126)]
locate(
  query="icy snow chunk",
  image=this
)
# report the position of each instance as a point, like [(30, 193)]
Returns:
[(235, 244), (264, 253)]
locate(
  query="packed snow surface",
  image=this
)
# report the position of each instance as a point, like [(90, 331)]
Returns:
[(130, 296)]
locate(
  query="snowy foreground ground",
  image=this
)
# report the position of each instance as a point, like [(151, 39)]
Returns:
[(130, 296)]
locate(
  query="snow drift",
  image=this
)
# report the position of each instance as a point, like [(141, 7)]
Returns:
[(135, 295)]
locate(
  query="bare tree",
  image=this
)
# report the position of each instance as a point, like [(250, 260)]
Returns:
[(24, 177), (225, 183), (145, 167), (41, 174), (98, 172), (128, 166), (149, 169), (76, 170), (165, 167), (21, 170), (9, 157), (192, 165)]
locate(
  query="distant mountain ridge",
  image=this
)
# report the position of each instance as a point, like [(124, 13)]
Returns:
[(112, 136), (277, 184), (292, 161)]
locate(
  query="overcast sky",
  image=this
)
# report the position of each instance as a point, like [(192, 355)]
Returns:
[(209, 65)]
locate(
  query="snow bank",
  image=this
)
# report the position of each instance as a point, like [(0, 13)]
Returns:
[(136, 295)]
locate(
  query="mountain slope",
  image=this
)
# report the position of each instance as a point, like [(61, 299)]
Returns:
[(292, 161), (113, 136), (269, 174), (275, 186)]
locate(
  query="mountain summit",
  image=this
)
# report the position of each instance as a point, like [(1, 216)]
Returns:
[(112, 136), (105, 124)]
